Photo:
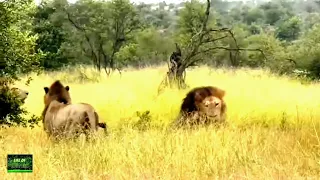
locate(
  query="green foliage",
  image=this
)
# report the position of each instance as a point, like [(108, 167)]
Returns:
[(17, 52), (144, 120), (254, 29), (276, 56), (290, 29), (272, 12), (232, 58), (310, 20), (17, 56), (115, 34), (253, 15), (100, 29), (128, 54), (190, 21), (191, 17), (51, 36), (159, 18), (11, 111), (17, 43), (314, 66), (149, 47), (306, 51)]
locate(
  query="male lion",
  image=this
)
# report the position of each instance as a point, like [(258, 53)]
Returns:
[(18, 93), (21, 94), (202, 105), (61, 118), (10, 100)]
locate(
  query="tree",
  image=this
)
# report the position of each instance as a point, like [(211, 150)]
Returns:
[(17, 56), (254, 15), (198, 36), (289, 30), (150, 47), (104, 27), (305, 51), (278, 59), (17, 45), (51, 35), (273, 12)]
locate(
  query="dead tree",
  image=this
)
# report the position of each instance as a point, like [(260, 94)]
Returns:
[(175, 63), (202, 42)]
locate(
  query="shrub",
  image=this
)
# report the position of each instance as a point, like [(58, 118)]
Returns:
[(11, 111)]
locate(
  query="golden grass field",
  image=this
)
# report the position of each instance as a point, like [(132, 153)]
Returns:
[(272, 132)]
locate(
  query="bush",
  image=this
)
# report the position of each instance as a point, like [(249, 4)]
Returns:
[(11, 111), (314, 67)]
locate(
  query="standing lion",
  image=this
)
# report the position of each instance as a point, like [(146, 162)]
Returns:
[(62, 118)]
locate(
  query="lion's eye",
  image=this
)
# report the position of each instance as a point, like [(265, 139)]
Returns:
[(216, 103), (206, 104)]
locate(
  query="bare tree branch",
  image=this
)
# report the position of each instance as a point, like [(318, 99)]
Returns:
[(202, 36), (231, 49), (206, 17), (292, 61), (94, 55), (213, 40), (201, 33), (227, 30)]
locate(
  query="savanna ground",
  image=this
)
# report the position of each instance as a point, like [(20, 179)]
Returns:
[(272, 132)]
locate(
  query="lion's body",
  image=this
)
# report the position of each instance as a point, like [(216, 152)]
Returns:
[(61, 118), (202, 105), (69, 118)]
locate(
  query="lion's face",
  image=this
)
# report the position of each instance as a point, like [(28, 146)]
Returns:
[(211, 106), (21, 94)]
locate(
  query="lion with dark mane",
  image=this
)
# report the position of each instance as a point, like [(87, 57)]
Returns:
[(62, 118), (202, 105)]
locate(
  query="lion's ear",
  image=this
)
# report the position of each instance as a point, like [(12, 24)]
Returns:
[(67, 88), (221, 93), (46, 89), (218, 92)]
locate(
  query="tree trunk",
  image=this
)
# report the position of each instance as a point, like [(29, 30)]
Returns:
[(176, 76), (177, 69)]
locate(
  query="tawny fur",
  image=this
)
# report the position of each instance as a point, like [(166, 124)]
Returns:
[(202, 105), (61, 118), (21, 94)]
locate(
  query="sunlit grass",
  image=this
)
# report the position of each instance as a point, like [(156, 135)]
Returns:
[(272, 132)]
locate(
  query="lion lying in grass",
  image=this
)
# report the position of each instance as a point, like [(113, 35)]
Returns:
[(202, 105)]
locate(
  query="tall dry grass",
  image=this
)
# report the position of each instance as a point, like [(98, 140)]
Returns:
[(272, 132)]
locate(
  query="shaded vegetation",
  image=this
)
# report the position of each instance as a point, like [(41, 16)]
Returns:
[(115, 34)]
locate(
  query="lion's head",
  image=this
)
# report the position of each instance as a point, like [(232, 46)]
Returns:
[(21, 94), (204, 101), (57, 92)]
